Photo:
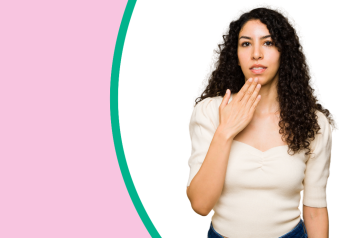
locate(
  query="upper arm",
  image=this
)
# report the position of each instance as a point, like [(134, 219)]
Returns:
[(202, 127), (318, 167)]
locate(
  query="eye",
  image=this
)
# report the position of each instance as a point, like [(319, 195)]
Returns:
[(245, 43), (270, 43)]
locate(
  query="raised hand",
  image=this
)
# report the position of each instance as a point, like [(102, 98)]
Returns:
[(236, 115)]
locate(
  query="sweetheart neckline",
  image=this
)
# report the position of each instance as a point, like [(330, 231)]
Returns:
[(258, 149)]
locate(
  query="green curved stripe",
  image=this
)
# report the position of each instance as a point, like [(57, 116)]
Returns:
[(114, 113)]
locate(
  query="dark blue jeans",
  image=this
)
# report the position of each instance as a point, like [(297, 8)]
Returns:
[(298, 232)]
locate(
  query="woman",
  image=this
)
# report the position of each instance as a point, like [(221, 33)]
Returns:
[(259, 136)]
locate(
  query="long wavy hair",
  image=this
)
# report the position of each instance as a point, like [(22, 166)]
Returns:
[(298, 120)]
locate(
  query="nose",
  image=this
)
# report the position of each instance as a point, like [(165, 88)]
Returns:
[(257, 52)]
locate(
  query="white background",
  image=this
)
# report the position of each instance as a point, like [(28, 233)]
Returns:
[(167, 58)]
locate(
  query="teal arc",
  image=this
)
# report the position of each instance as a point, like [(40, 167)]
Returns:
[(114, 114)]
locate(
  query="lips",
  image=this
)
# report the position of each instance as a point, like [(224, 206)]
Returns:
[(257, 68)]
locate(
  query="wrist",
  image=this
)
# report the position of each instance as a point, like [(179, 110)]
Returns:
[(224, 133)]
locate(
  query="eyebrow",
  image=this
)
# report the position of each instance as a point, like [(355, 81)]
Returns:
[(247, 37)]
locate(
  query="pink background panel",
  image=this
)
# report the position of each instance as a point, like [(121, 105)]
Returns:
[(59, 175)]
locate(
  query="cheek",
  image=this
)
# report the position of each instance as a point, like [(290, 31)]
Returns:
[(276, 58), (244, 61), (277, 61), (274, 61)]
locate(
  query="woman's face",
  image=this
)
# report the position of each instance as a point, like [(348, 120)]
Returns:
[(255, 47)]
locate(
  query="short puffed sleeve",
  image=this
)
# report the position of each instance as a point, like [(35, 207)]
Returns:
[(202, 126), (318, 165)]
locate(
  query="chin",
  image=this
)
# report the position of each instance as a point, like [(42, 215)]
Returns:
[(262, 79)]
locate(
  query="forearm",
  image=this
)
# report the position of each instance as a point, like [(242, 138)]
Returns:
[(207, 185), (316, 222)]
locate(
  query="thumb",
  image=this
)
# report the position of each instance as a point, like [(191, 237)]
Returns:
[(224, 103), (226, 97)]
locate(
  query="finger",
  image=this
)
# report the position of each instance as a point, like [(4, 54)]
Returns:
[(253, 97), (243, 90), (250, 91), (254, 106)]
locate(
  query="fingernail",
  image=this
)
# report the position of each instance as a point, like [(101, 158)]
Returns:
[(250, 80), (256, 79), (227, 91)]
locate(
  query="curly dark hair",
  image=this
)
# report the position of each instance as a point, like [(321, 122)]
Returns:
[(298, 120)]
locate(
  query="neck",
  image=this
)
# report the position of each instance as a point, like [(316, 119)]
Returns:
[(269, 103)]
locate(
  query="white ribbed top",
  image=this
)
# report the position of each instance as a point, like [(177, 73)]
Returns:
[(261, 193)]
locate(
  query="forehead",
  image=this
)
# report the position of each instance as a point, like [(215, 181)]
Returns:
[(254, 28)]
